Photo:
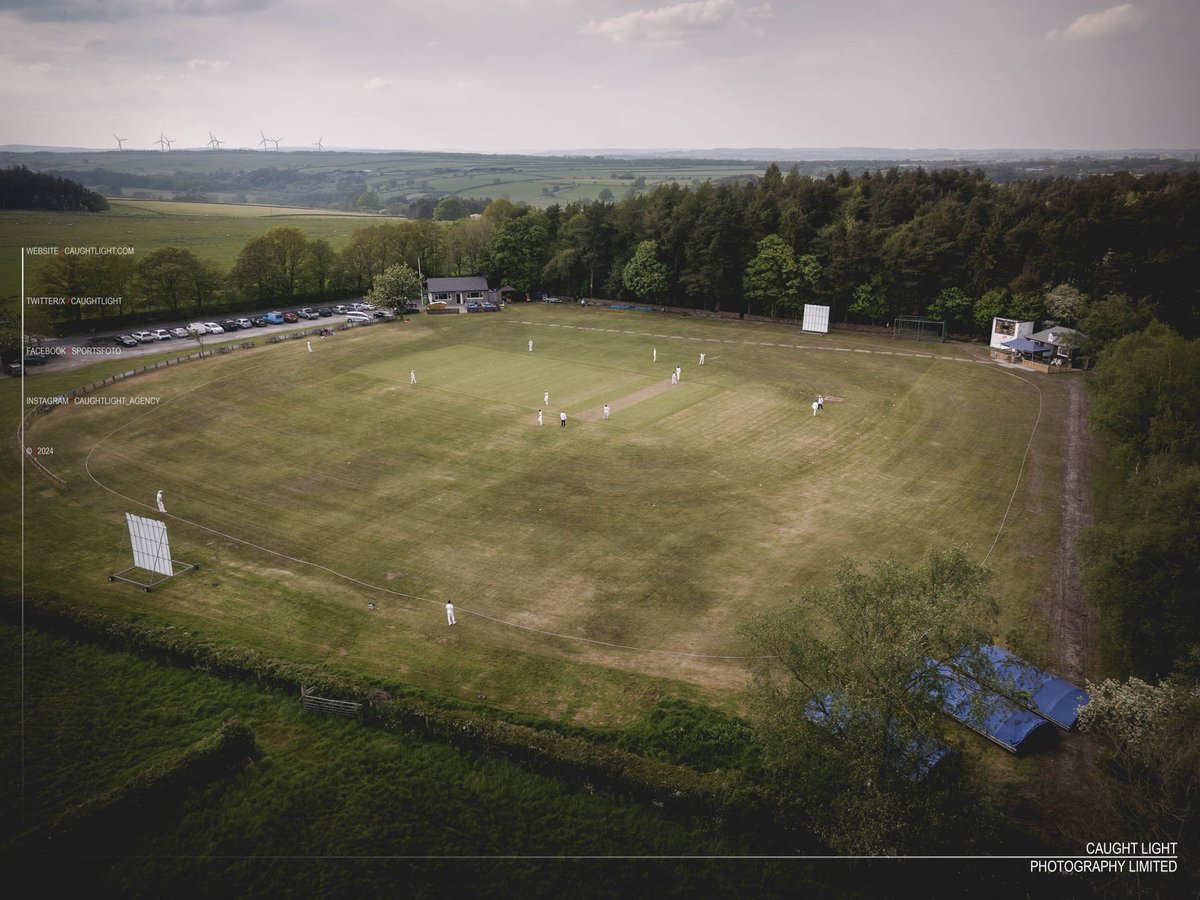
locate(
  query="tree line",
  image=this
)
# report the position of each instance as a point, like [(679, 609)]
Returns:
[(21, 188), (1105, 254)]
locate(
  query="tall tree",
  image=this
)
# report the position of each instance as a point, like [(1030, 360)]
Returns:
[(644, 276), (772, 277), (870, 673)]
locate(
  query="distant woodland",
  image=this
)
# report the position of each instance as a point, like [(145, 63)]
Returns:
[(1105, 254), (21, 188)]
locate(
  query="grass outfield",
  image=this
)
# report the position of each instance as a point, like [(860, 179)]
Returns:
[(694, 507), (216, 231)]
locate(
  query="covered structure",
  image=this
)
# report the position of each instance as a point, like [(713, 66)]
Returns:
[(914, 758), (1054, 699), (992, 715), (1064, 341)]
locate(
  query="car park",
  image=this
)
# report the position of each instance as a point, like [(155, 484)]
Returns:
[(161, 334), (144, 337), (308, 313), (358, 318), (290, 317), (125, 340), (179, 332), (214, 328), (243, 322)]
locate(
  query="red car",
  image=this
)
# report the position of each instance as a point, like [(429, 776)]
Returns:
[(290, 317)]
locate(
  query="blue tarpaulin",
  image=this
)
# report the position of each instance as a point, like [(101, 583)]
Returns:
[(919, 756), (1025, 345), (1050, 697), (996, 717)]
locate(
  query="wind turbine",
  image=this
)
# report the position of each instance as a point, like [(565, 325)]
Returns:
[(213, 142), (121, 142), (274, 141), (319, 145), (164, 142)]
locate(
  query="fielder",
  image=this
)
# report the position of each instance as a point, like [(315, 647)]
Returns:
[(655, 358), (701, 359), (412, 376), (158, 499), (546, 398), (531, 346), (562, 417), (450, 620), (816, 406), (606, 412), (540, 417), (309, 346)]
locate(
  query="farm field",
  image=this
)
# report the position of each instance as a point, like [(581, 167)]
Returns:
[(215, 231), (595, 568), (537, 180)]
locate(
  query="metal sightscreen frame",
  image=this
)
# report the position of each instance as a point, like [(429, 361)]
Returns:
[(151, 553)]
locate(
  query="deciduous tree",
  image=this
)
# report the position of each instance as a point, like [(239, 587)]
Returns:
[(864, 651)]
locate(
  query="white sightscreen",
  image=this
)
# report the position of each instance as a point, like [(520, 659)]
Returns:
[(816, 318), (150, 548)]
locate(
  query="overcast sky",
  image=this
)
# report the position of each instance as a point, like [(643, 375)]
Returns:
[(495, 75)]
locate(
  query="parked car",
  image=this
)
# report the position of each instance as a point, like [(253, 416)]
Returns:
[(358, 318), (366, 307), (325, 312), (125, 340), (290, 317), (161, 334), (198, 327), (412, 308), (473, 307), (274, 318), (258, 322), (179, 332), (308, 313), (144, 337), (229, 325), (214, 328), (243, 322), (489, 307), (384, 314)]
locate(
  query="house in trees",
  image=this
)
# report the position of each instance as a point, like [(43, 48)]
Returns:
[(1065, 342), (459, 291)]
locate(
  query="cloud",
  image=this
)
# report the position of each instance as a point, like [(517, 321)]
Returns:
[(378, 84), (208, 65), (1113, 22), (667, 24)]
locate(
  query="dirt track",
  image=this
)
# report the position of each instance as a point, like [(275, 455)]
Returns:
[(1070, 794)]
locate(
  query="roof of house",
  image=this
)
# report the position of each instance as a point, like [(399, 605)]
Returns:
[(463, 283), (1060, 336)]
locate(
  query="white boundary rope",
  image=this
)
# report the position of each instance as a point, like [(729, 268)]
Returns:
[(494, 619)]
